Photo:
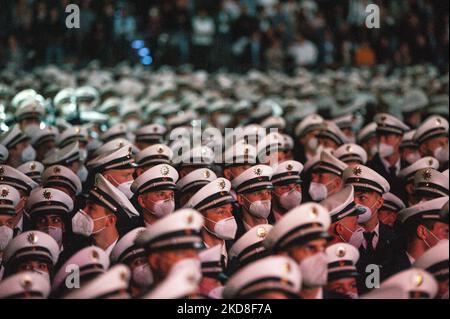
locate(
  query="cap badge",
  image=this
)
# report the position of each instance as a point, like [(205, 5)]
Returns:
[(120, 144), (189, 218), (430, 162), (57, 170), (258, 171), (261, 232), (222, 184), (438, 121), (2, 170), (32, 238), (246, 150), (77, 130), (33, 166), (341, 251), (287, 268), (160, 149), (47, 195), (4, 192), (289, 167), (417, 280), (426, 175), (95, 256), (206, 174), (357, 171), (165, 170), (26, 283), (123, 276), (155, 129), (314, 213), (348, 148)]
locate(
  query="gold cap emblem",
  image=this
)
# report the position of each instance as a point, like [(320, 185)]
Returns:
[(314, 213), (26, 282), (438, 121), (206, 174), (57, 170), (430, 162), (189, 218), (222, 184), (348, 148), (289, 167), (258, 171), (32, 238), (123, 276), (2, 170), (95, 256), (160, 149), (287, 268), (261, 232), (417, 280)]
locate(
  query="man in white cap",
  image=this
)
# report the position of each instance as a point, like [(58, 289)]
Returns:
[(429, 184), (409, 149), (326, 177), (215, 203), (432, 137), (435, 261), (287, 191), (303, 235), (32, 250), (331, 136), (387, 214), (379, 244), (254, 195), (367, 138), (149, 135), (274, 277), (342, 273), (423, 227), (126, 252), (44, 141), (49, 211), (213, 276), (170, 240), (191, 183), (387, 161), (18, 145), (154, 192), (306, 133), (151, 156)]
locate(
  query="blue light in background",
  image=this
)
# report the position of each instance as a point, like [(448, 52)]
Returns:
[(144, 52), (147, 60), (137, 44)]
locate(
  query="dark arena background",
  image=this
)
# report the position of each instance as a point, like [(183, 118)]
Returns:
[(223, 150)]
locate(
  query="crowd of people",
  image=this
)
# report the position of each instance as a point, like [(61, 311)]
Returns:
[(234, 35), (118, 182)]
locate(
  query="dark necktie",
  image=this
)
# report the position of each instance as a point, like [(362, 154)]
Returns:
[(368, 236), (393, 171)]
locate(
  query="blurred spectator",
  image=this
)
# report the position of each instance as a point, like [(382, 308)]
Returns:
[(55, 33), (274, 56), (203, 30), (303, 51), (364, 55), (14, 54)]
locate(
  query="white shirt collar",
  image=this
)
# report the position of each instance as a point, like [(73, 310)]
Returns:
[(387, 166), (111, 247), (412, 260)]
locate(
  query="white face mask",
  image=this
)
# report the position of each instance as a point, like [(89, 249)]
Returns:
[(321, 148), (441, 154), (432, 235), (260, 208), (83, 224), (125, 188), (357, 237), (163, 207), (55, 232), (312, 143), (83, 173), (6, 234), (318, 191), (83, 155), (373, 150), (216, 293), (411, 158), (314, 270), (133, 125), (352, 295), (28, 154), (365, 217), (142, 276), (224, 229), (385, 150), (291, 199)]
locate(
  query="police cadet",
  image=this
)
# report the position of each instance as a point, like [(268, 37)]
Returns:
[(409, 149), (287, 191), (3, 154), (149, 135), (18, 145), (367, 139), (303, 235), (31, 251), (126, 252), (330, 136), (213, 275), (151, 156), (44, 141), (351, 154), (387, 161), (379, 244), (270, 149), (429, 184), (61, 178), (154, 192), (253, 189), (86, 264), (191, 183), (326, 177), (432, 138), (306, 133), (195, 158), (387, 214), (30, 113), (238, 158), (273, 277), (107, 216), (33, 170), (68, 156), (171, 239), (49, 210), (344, 217), (424, 227), (24, 185), (407, 174), (342, 273)]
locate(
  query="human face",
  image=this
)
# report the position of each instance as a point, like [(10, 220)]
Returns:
[(43, 149), (301, 252), (308, 136), (427, 148), (50, 220), (148, 200), (372, 200), (327, 143), (387, 217), (101, 216), (232, 172), (161, 262), (346, 227), (391, 139), (119, 176), (332, 182), (34, 265), (344, 286), (368, 145), (214, 215), (7, 220), (264, 194)]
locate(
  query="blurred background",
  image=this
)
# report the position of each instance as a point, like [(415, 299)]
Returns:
[(231, 35)]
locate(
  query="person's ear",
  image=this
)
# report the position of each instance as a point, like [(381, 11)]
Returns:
[(410, 188), (152, 260), (337, 229), (422, 149), (421, 232), (112, 219), (227, 174), (240, 199), (380, 202), (141, 201), (338, 183)]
